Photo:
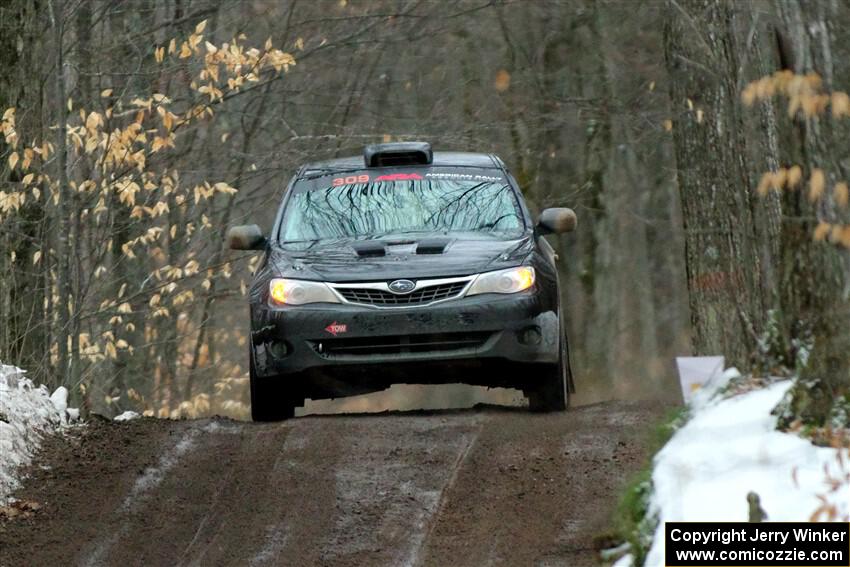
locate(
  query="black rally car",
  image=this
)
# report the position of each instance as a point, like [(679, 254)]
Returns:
[(405, 265)]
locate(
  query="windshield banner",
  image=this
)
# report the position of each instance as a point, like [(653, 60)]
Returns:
[(364, 176)]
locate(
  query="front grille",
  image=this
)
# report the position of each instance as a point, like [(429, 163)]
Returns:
[(402, 344), (381, 298)]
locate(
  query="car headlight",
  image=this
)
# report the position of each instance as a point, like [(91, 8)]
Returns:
[(283, 291), (512, 280)]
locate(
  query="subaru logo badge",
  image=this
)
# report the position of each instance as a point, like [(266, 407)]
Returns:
[(401, 286)]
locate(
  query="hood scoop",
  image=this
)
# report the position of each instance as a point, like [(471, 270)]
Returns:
[(369, 248), (432, 246), (375, 248)]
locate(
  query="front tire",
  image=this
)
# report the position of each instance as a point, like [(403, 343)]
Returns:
[(269, 401), (552, 393)]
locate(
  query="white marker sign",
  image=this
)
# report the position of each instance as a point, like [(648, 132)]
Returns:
[(695, 371)]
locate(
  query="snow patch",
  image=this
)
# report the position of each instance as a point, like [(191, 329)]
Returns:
[(27, 414), (729, 448), (127, 416), (275, 543), (59, 399), (153, 476)]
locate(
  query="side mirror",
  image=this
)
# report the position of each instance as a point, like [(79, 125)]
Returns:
[(557, 220), (246, 237)]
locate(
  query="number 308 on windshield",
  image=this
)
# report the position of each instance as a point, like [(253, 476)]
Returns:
[(350, 180)]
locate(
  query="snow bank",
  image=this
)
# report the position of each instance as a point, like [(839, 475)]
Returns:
[(731, 447), (26, 414)]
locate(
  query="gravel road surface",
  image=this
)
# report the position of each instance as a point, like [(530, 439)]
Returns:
[(484, 486)]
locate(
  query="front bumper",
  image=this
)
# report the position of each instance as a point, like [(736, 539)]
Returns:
[(365, 348)]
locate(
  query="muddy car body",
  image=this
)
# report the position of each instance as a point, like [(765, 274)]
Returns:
[(404, 265)]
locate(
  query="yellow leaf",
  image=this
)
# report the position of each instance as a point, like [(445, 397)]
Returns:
[(821, 231), (70, 105), (127, 249), (185, 51), (794, 103), (749, 94), (94, 120), (159, 54), (840, 104), (36, 257), (299, 44), (223, 187), (795, 175), (668, 125), (29, 155), (200, 27), (13, 160), (11, 201), (502, 81), (764, 184), (211, 49), (841, 193), (106, 93), (779, 179), (27, 178)]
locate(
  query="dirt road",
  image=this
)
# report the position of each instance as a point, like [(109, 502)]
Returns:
[(485, 486)]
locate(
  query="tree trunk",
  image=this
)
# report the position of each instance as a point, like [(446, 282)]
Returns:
[(25, 330), (63, 209), (813, 275), (729, 298)]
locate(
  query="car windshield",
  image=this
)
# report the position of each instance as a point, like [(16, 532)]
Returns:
[(404, 206)]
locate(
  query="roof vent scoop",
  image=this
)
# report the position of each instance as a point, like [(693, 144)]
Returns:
[(398, 153)]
